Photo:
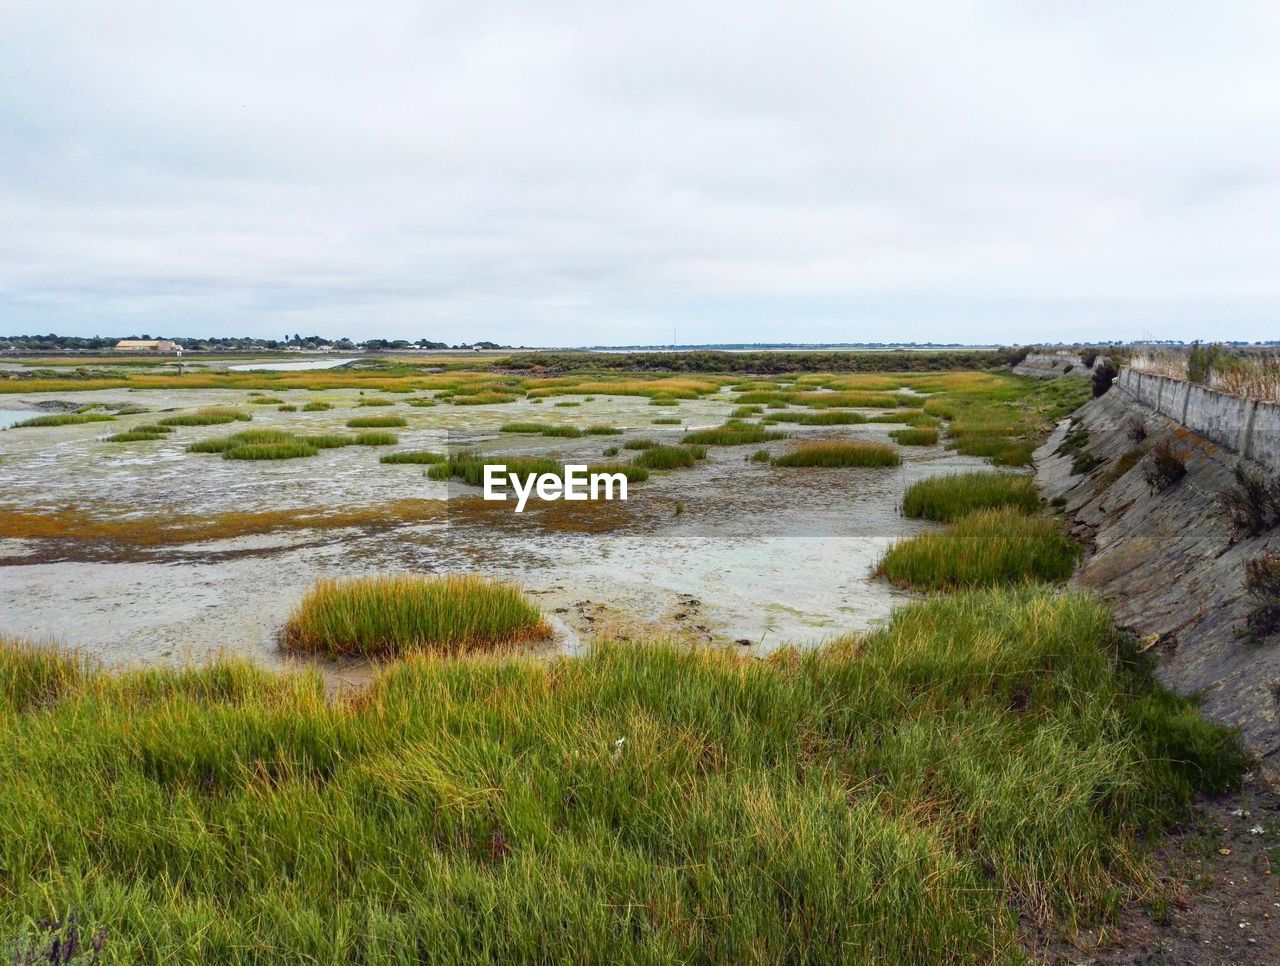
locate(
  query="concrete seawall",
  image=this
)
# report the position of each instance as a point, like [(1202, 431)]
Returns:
[(1167, 561), (1248, 428), (1051, 365)]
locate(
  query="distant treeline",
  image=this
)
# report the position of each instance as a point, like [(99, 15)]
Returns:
[(771, 362)]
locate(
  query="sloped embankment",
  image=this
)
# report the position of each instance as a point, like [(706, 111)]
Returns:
[(1166, 559)]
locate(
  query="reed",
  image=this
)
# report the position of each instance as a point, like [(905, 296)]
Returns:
[(212, 416), (376, 439), (413, 456)]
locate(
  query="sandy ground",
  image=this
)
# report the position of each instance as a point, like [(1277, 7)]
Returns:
[(731, 552)]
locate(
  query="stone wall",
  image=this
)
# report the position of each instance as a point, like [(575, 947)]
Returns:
[(1247, 428), (1051, 365)]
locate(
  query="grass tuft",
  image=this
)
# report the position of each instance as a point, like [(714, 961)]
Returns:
[(983, 549), (63, 419), (947, 498), (413, 456), (670, 457), (213, 416), (403, 614), (915, 436), (840, 452), (732, 434), (377, 422)]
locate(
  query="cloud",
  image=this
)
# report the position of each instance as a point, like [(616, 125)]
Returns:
[(577, 173)]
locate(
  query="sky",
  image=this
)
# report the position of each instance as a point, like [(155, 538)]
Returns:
[(604, 173)]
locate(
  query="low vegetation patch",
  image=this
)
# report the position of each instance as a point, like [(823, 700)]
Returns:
[(1262, 582), (484, 399), (983, 549), (838, 453), (670, 457), (640, 442), (376, 439), (1252, 505), (376, 402), (140, 434), (984, 764), (824, 418), (665, 421), (403, 614), (732, 434), (947, 498), (63, 419), (1165, 467), (317, 407), (213, 416), (377, 422), (915, 436), (413, 456)]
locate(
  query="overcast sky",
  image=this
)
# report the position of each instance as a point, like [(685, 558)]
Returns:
[(560, 173)]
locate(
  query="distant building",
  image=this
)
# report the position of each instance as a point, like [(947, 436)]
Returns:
[(148, 345)]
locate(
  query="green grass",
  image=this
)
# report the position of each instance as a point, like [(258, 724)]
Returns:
[(839, 453), (915, 436), (742, 412), (287, 408), (983, 549), (413, 456), (666, 421), (670, 457), (567, 405), (732, 434), (376, 402), (212, 416), (407, 613), (377, 422), (1006, 421), (640, 442), (317, 407), (262, 444), (63, 419), (947, 498), (657, 401), (264, 401), (826, 418), (984, 765), (329, 440), (376, 439), (602, 431), (139, 434), (527, 427)]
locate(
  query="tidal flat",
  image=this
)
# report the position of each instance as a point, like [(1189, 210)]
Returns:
[(706, 553)]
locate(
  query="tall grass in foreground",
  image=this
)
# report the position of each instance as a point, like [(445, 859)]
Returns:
[(986, 763), (63, 419), (404, 613), (840, 452), (984, 549), (945, 498)]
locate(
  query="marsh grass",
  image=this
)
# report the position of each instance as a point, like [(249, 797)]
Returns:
[(834, 453), (413, 456), (732, 434), (670, 457), (376, 439), (826, 418), (287, 408), (264, 444), (985, 764), (264, 401), (665, 421), (915, 436), (329, 440), (983, 549), (64, 419), (484, 399), (947, 498), (317, 407), (376, 402), (377, 422), (640, 442), (742, 412), (211, 416), (407, 613), (139, 434), (294, 449)]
